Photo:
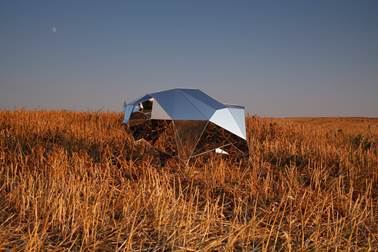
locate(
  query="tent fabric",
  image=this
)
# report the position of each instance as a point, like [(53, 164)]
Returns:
[(128, 111), (178, 106), (192, 104), (223, 118), (190, 111), (159, 113), (238, 115)]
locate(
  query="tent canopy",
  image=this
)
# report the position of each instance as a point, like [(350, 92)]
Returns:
[(190, 105)]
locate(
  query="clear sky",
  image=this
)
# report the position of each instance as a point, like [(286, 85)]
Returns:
[(278, 58)]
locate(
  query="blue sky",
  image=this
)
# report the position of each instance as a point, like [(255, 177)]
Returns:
[(278, 58)]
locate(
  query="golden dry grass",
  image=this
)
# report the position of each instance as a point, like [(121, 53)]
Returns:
[(76, 181)]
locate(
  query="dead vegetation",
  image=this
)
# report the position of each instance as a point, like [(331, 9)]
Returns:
[(76, 181)]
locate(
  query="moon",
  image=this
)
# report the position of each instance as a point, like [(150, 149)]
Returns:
[(53, 29)]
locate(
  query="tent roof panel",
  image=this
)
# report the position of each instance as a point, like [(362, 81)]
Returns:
[(203, 98), (158, 112), (205, 109), (177, 106)]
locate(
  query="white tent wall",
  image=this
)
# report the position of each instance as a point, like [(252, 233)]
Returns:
[(223, 118), (158, 113), (239, 116)]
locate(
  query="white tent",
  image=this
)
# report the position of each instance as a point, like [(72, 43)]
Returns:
[(191, 112)]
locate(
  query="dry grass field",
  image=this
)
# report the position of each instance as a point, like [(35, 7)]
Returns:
[(76, 181)]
